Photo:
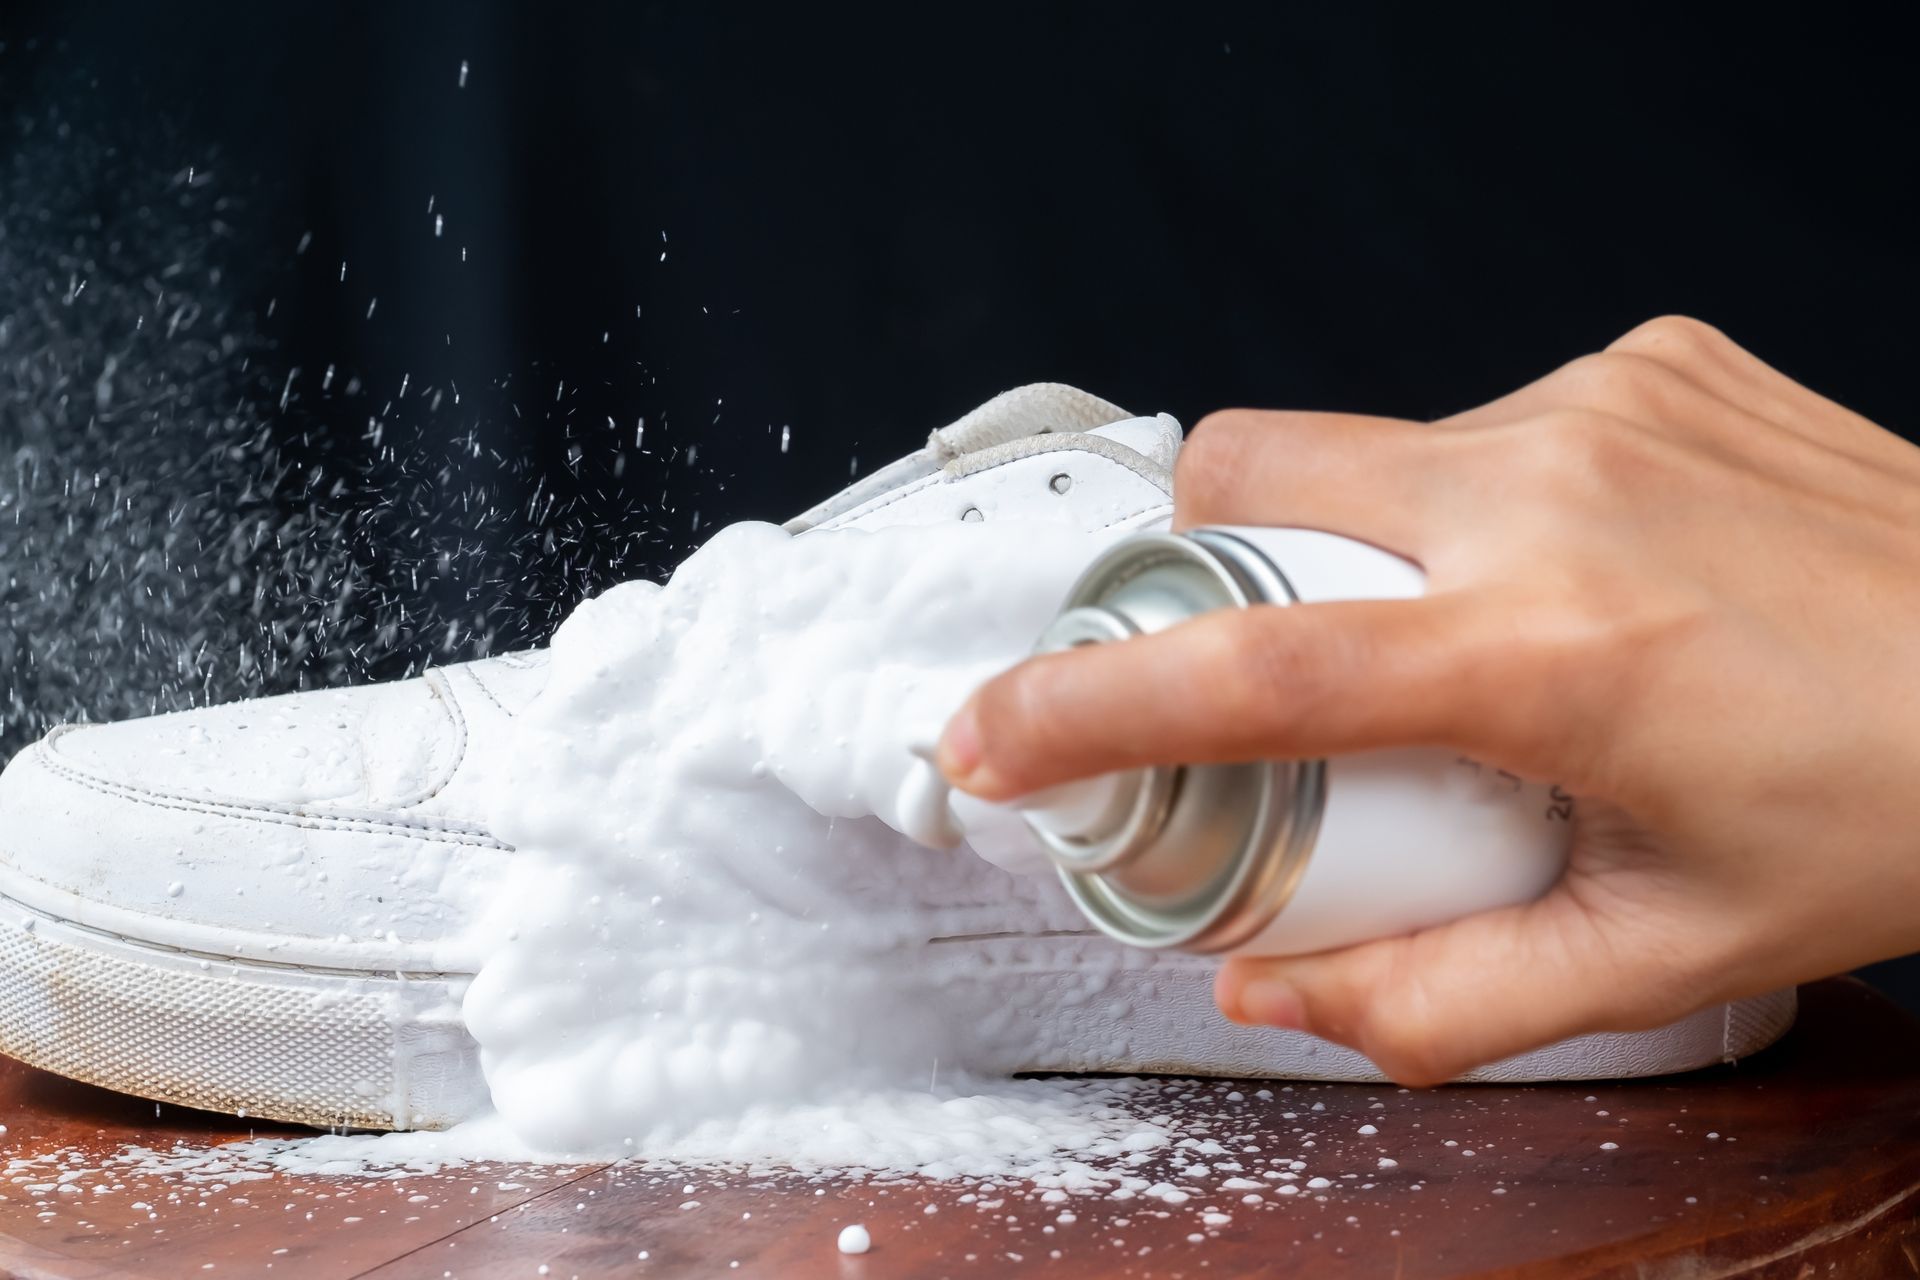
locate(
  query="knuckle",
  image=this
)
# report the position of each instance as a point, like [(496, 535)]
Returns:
[(1563, 441), (1582, 453), (1611, 381), (1675, 338)]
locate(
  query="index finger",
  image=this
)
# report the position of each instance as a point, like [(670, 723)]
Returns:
[(1271, 681)]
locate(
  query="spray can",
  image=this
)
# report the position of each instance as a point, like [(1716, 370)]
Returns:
[(1280, 857)]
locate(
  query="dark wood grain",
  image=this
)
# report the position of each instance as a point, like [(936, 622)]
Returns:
[(1802, 1162), (156, 1224)]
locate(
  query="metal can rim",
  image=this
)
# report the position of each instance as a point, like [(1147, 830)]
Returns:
[(1291, 794)]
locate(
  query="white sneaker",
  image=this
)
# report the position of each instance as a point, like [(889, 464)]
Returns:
[(239, 908)]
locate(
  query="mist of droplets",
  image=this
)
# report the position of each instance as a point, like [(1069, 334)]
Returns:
[(185, 518)]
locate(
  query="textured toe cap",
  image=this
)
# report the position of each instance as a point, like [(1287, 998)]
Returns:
[(341, 826)]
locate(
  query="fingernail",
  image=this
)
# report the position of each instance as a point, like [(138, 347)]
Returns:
[(1272, 1003), (959, 753)]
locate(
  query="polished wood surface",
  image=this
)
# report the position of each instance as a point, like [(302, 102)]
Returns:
[(1801, 1162)]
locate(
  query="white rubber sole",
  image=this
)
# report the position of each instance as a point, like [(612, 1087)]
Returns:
[(355, 1049), (329, 1048)]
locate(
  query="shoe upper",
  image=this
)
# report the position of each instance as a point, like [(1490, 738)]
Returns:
[(345, 828)]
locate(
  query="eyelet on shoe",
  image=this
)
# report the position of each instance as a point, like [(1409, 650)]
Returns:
[(1060, 483), (972, 515)]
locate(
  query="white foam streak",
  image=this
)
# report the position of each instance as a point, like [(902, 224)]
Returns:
[(714, 910)]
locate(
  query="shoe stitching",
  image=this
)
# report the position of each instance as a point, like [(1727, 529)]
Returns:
[(442, 689), (1159, 508), (1081, 443), (228, 960), (437, 685), (444, 831), (488, 693), (441, 686), (908, 491)]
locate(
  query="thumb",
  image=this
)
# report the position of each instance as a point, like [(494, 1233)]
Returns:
[(1429, 1006)]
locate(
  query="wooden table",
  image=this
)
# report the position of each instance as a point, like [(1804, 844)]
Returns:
[(1802, 1162)]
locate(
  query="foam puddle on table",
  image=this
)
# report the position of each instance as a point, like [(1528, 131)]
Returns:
[(715, 918), (718, 948), (1096, 1165)]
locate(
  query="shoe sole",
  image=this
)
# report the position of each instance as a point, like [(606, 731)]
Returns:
[(364, 1050), (328, 1048)]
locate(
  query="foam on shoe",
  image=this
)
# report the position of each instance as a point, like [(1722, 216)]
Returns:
[(715, 916)]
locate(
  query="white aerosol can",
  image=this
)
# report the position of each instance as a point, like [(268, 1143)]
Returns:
[(1281, 857)]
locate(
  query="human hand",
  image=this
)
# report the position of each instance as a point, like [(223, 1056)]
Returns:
[(1665, 576)]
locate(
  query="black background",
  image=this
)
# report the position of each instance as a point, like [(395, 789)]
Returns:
[(874, 219)]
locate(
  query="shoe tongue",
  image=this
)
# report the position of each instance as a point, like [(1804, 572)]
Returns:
[(1039, 408)]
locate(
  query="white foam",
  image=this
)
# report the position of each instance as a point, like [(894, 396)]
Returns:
[(1041, 1142), (718, 949), (714, 911)]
